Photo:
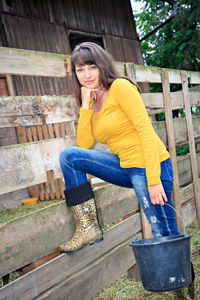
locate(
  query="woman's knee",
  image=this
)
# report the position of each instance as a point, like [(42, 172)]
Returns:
[(67, 155)]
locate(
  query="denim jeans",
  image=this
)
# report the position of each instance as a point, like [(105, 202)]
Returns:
[(76, 162)]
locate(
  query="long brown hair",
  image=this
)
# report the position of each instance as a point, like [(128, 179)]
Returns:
[(89, 53)]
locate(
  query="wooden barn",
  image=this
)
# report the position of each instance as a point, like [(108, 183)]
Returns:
[(57, 26), (35, 129)]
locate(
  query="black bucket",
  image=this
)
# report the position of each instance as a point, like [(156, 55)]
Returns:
[(164, 262)]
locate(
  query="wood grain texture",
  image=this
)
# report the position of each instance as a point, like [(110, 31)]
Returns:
[(30, 110), (32, 63), (34, 283), (190, 131), (102, 261), (65, 109), (35, 63), (154, 74), (172, 146), (155, 100), (9, 84), (52, 226), (97, 275), (26, 164), (105, 270)]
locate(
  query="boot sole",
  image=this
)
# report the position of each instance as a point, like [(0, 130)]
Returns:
[(97, 240)]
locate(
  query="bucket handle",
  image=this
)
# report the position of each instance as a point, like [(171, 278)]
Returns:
[(135, 233)]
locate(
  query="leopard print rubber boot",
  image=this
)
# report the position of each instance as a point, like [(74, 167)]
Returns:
[(88, 230)]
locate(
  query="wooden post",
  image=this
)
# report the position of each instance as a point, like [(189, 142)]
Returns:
[(190, 131), (146, 227), (50, 180), (9, 85), (172, 147)]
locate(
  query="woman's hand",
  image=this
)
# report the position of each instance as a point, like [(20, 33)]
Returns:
[(87, 95), (157, 194)]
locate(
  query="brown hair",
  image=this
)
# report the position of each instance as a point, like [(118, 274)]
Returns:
[(89, 53)]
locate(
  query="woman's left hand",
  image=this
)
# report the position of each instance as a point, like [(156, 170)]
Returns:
[(157, 194)]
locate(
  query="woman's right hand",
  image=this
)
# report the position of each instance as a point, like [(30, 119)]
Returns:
[(87, 95)]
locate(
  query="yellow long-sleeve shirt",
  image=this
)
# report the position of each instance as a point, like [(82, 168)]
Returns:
[(124, 125)]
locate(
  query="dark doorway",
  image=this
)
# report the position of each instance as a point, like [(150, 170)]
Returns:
[(77, 38)]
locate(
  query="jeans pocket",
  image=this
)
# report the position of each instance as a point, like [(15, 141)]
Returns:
[(167, 170)]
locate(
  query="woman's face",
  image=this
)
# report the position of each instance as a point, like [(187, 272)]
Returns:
[(88, 76)]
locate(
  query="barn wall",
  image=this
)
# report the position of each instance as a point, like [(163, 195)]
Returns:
[(46, 25)]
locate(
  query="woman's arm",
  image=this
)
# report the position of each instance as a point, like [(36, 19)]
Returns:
[(85, 137), (131, 102)]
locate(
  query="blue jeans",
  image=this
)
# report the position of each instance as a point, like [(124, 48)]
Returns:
[(76, 162)]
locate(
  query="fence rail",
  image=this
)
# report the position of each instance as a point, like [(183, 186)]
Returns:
[(45, 125)]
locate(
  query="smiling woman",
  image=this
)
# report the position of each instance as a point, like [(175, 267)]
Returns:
[(113, 113), (92, 89)]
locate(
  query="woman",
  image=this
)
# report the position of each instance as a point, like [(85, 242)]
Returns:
[(112, 112)]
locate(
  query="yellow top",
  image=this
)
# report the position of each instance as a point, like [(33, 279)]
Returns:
[(124, 125)]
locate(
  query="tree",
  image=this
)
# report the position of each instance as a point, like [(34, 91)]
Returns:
[(176, 44)]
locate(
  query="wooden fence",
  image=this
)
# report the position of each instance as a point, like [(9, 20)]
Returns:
[(23, 240)]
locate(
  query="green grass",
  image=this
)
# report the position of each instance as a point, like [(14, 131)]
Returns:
[(125, 288), (13, 213)]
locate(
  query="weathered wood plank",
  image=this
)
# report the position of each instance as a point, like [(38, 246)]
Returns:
[(28, 111), (155, 100), (50, 177), (53, 226), (97, 275), (37, 105), (83, 265), (61, 184), (194, 77), (26, 164), (39, 131), (146, 228), (62, 129), (33, 63), (172, 146), (193, 157), (36, 63), (57, 192), (180, 130), (103, 271), (154, 74), (189, 212), (21, 134), (50, 130), (29, 134), (10, 85), (34, 134)]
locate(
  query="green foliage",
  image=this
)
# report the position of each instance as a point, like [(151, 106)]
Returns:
[(182, 150), (160, 116), (176, 45)]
